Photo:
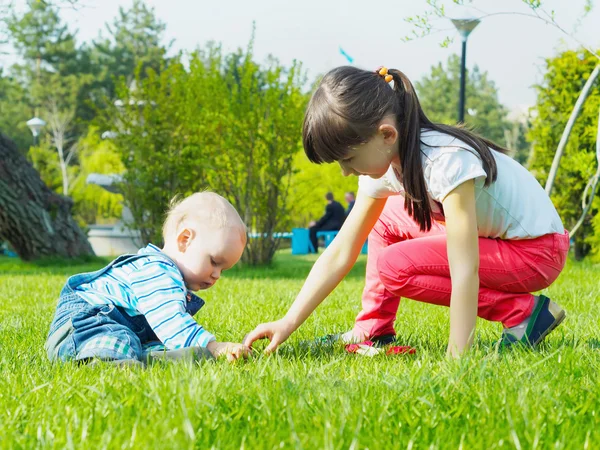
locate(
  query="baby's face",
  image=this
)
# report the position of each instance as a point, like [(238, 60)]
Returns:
[(209, 253)]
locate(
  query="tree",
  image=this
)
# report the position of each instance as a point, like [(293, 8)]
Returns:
[(60, 123), (33, 219), (14, 111), (7, 10), (257, 143), (162, 136), (225, 123), (134, 42), (55, 73), (40, 37), (438, 94), (565, 76), (93, 204)]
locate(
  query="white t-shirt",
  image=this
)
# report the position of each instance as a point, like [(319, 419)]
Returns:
[(513, 207)]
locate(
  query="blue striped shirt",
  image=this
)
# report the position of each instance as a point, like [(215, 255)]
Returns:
[(152, 286)]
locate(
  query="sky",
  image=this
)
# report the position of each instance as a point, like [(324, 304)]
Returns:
[(511, 47)]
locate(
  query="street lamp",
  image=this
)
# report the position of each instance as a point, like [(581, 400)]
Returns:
[(35, 125), (464, 27)]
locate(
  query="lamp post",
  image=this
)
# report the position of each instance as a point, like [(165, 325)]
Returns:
[(464, 27), (35, 125)]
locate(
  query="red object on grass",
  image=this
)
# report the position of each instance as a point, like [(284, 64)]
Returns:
[(353, 348), (400, 350), (397, 350)]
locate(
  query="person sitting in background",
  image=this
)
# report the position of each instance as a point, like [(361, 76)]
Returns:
[(350, 198), (332, 220)]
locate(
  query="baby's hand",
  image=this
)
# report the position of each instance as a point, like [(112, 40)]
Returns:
[(232, 350)]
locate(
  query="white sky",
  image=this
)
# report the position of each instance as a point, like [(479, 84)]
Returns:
[(510, 47)]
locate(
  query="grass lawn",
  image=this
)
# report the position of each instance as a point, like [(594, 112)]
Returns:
[(303, 398)]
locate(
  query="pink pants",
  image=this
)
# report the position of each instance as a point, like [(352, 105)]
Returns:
[(406, 262)]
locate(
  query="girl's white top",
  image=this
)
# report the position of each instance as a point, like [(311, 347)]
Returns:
[(513, 207)]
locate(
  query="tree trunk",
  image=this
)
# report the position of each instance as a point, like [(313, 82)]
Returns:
[(34, 220)]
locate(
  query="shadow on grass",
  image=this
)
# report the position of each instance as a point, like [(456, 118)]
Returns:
[(284, 266)]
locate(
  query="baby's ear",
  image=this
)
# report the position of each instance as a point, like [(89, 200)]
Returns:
[(184, 239)]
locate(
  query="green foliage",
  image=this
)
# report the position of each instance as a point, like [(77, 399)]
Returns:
[(310, 183), (260, 118), (439, 96), (224, 123), (14, 111), (54, 68), (92, 203), (160, 140), (515, 138), (44, 159), (66, 84), (134, 41), (40, 34), (55, 75), (74, 78), (565, 76)]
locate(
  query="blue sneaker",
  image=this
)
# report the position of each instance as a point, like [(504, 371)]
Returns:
[(545, 317)]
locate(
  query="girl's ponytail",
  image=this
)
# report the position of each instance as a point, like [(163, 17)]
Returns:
[(409, 117)]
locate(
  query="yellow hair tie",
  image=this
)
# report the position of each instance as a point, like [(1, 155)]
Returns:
[(383, 71)]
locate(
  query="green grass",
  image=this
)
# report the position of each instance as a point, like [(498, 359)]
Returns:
[(323, 398)]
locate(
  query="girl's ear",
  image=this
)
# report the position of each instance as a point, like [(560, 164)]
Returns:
[(184, 239), (389, 133)]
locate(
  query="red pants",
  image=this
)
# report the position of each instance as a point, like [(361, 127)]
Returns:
[(406, 262)]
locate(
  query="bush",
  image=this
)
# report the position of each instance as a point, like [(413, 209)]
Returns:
[(565, 76), (226, 124)]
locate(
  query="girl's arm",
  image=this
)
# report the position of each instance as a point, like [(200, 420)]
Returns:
[(331, 267), (463, 257)]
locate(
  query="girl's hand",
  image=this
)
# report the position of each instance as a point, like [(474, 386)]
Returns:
[(276, 332), (231, 350), (331, 267)]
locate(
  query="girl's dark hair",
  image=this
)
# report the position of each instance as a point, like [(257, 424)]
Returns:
[(346, 110)]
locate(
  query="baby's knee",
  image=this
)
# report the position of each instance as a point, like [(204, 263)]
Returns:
[(109, 347)]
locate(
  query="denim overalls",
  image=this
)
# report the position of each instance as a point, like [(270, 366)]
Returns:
[(81, 331)]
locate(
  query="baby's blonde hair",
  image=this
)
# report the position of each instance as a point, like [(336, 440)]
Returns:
[(204, 209)]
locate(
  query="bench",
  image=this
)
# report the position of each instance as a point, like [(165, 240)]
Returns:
[(301, 244)]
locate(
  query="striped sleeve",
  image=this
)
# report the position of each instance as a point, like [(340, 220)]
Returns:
[(161, 295)]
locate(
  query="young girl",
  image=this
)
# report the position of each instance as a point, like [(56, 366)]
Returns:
[(470, 229)]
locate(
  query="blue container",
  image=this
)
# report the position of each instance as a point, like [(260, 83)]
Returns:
[(300, 241), (301, 244)]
